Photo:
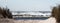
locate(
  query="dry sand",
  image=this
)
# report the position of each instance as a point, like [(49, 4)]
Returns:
[(6, 20), (50, 20)]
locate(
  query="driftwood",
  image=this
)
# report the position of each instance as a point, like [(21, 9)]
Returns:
[(56, 13)]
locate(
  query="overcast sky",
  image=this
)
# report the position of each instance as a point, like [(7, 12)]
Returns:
[(29, 5)]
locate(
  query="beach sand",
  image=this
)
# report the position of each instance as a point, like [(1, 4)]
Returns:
[(50, 20)]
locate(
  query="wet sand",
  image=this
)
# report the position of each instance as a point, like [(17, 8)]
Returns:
[(50, 20)]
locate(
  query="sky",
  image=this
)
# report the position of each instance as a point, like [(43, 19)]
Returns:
[(29, 5)]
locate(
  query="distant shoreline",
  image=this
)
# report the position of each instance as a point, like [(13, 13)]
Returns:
[(31, 18)]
